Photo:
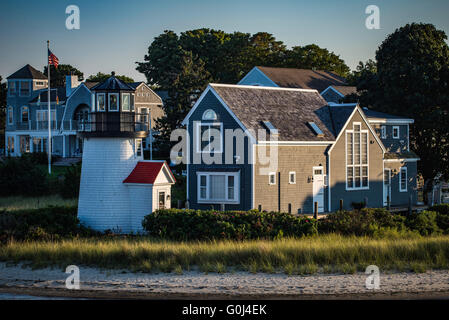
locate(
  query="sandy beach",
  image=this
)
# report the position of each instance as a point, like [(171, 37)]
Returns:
[(95, 283)]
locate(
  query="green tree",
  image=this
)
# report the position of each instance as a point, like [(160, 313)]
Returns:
[(314, 57), (412, 80), (57, 75), (100, 77), (191, 80)]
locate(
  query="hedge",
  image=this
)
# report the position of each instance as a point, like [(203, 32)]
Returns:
[(181, 224), (40, 224)]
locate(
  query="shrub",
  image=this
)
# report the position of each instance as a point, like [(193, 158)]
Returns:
[(21, 176), (70, 187), (360, 222), (41, 223), (424, 222), (178, 224), (441, 209)]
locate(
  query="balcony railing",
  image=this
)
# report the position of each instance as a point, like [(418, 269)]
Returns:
[(113, 123), (36, 125)]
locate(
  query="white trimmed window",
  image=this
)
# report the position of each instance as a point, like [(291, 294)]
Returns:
[(113, 102), (403, 180), (10, 115), (25, 114), (126, 102), (207, 134), (272, 178), (357, 158), (100, 102), (138, 147), (218, 187), (383, 132), (12, 89), (24, 88), (292, 177), (396, 132)]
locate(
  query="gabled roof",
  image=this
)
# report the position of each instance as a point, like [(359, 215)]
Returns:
[(146, 172), (113, 83), (380, 116), (288, 110), (345, 90), (302, 78), (90, 84), (60, 92), (135, 84), (27, 72)]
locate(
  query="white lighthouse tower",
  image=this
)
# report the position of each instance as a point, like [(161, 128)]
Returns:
[(112, 149)]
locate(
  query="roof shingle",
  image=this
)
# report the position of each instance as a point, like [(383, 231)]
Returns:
[(27, 72)]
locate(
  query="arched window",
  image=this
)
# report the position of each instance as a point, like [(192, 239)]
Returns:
[(209, 114), (25, 114), (81, 113)]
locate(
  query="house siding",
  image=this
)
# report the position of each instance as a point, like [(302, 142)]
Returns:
[(245, 168), (277, 197), (399, 198), (390, 143), (374, 194)]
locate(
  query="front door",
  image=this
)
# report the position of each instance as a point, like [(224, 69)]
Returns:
[(387, 186), (318, 188), (161, 200)]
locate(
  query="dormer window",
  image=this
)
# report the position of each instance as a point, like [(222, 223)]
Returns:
[(113, 102), (209, 115)]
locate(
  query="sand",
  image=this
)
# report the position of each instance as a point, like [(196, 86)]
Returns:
[(96, 283)]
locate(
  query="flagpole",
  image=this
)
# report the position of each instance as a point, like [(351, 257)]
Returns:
[(49, 111)]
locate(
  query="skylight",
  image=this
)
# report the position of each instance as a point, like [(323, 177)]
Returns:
[(270, 127), (315, 128)]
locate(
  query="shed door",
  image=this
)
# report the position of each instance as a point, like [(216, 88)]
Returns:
[(318, 188)]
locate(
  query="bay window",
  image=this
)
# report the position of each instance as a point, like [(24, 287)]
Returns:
[(218, 187), (357, 158)]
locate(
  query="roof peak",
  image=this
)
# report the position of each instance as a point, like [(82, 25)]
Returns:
[(27, 72), (260, 87)]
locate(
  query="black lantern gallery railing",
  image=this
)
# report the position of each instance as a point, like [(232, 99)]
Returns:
[(114, 124)]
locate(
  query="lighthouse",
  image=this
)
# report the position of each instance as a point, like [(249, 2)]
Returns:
[(112, 151)]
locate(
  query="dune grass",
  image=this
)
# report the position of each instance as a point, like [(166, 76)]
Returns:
[(19, 202), (323, 254)]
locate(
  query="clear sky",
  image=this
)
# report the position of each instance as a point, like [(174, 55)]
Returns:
[(115, 34)]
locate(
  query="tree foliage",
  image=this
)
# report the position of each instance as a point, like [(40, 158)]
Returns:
[(411, 79), (57, 75), (100, 77), (183, 65), (2, 111)]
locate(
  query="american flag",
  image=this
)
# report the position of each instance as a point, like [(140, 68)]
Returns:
[(52, 59)]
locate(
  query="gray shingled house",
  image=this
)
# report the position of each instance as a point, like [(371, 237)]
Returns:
[(322, 152), (332, 87)]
